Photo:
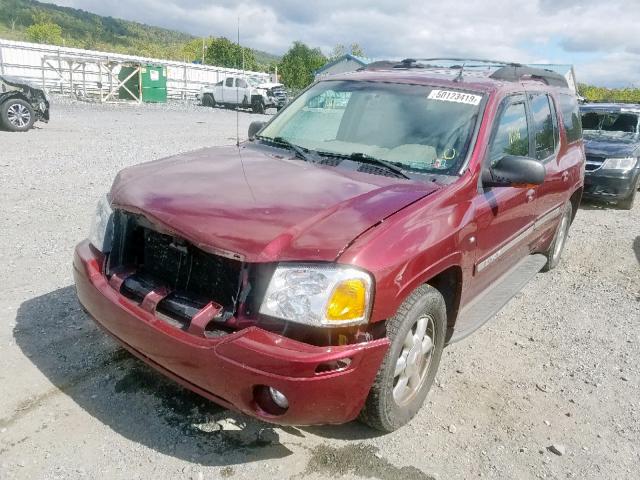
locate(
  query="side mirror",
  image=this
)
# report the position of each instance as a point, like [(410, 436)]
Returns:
[(514, 171), (254, 128)]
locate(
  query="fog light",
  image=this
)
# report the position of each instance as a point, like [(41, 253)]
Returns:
[(278, 398)]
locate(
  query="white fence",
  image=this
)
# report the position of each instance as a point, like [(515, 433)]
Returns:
[(76, 71)]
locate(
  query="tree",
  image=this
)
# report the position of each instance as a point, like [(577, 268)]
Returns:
[(50, 33), (299, 64), (193, 50), (339, 51), (222, 52), (357, 50)]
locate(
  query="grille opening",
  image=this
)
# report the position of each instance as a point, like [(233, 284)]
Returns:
[(193, 277)]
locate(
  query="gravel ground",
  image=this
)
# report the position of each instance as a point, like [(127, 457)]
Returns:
[(556, 368)]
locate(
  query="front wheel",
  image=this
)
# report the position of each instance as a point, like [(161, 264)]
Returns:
[(17, 115), (559, 240), (627, 203), (417, 334), (208, 100)]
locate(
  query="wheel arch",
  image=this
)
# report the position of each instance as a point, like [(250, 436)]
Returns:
[(446, 280), (12, 95)]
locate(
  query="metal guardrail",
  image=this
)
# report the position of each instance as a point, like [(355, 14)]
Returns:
[(84, 73)]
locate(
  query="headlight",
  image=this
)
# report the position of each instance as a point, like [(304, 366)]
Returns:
[(619, 163), (319, 295), (101, 231)]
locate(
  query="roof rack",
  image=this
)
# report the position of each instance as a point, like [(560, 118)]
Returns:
[(496, 69)]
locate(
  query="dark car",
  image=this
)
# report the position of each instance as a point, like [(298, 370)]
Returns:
[(21, 104), (315, 273), (612, 143)]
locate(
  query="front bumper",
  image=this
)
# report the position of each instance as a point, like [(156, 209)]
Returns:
[(610, 185), (229, 369)]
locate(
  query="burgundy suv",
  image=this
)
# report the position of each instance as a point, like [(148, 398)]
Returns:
[(315, 273)]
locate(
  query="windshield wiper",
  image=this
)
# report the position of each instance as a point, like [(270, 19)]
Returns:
[(364, 158), (299, 151)]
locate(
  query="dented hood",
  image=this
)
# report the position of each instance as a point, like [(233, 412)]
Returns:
[(258, 204)]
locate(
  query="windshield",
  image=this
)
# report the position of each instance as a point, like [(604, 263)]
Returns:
[(610, 123), (417, 127)]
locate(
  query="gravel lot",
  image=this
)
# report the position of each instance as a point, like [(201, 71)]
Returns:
[(558, 366)]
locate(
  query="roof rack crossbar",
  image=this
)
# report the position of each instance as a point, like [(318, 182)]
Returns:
[(505, 71), (467, 60)]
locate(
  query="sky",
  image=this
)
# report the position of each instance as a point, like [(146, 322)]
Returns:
[(600, 38)]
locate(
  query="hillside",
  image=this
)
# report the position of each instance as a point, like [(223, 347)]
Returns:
[(29, 20)]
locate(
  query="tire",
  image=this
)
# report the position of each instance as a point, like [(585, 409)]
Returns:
[(208, 100), (627, 203), (258, 106), (554, 253), (17, 115), (385, 408)]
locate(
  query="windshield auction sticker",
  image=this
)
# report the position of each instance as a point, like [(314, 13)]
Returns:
[(457, 97)]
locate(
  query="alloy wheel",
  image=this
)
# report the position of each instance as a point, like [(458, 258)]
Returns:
[(414, 360), (18, 115), (563, 229)]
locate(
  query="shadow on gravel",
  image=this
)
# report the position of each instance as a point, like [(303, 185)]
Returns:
[(596, 205), (636, 248), (126, 395)]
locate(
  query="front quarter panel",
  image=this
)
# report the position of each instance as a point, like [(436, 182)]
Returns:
[(414, 245)]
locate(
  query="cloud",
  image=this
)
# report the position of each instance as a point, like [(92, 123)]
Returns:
[(562, 31)]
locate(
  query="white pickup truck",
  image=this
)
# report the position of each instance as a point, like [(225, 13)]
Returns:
[(244, 92)]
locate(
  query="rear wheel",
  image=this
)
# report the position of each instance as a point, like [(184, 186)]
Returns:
[(417, 334), (17, 115), (559, 240), (258, 106)]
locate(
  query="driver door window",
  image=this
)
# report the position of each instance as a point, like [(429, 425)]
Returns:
[(512, 132), (229, 82)]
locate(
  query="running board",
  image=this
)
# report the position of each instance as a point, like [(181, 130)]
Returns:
[(490, 302)]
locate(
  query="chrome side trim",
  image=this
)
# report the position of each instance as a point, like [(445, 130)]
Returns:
[(504, 249), (556, 212)]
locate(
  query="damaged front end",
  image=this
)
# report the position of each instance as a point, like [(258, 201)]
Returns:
[(12, 88), (195, 316)]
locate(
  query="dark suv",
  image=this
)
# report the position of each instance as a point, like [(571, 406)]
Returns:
[(315, 273), (612, 142)]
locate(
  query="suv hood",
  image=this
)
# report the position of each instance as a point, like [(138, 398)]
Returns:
[(258, 204), (603, 145)]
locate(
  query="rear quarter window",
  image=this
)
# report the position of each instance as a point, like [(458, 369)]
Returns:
[(570, 117)]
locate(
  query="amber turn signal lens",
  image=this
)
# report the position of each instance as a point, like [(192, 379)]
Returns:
[(348, 301)]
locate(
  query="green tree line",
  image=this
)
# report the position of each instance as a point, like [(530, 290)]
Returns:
[(615, 95)]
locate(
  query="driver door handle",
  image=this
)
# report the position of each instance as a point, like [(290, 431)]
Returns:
[(565, 176)]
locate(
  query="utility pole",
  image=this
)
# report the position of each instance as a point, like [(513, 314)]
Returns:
[(202, 50)]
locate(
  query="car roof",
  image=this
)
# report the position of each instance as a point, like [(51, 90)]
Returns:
[(611, 107)]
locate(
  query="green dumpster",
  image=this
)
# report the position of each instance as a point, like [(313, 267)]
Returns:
[(154, 83), (151, 78)]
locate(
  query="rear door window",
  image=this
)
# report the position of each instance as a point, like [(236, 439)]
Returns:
[(512, 132), (543, 124), (571, 117)]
